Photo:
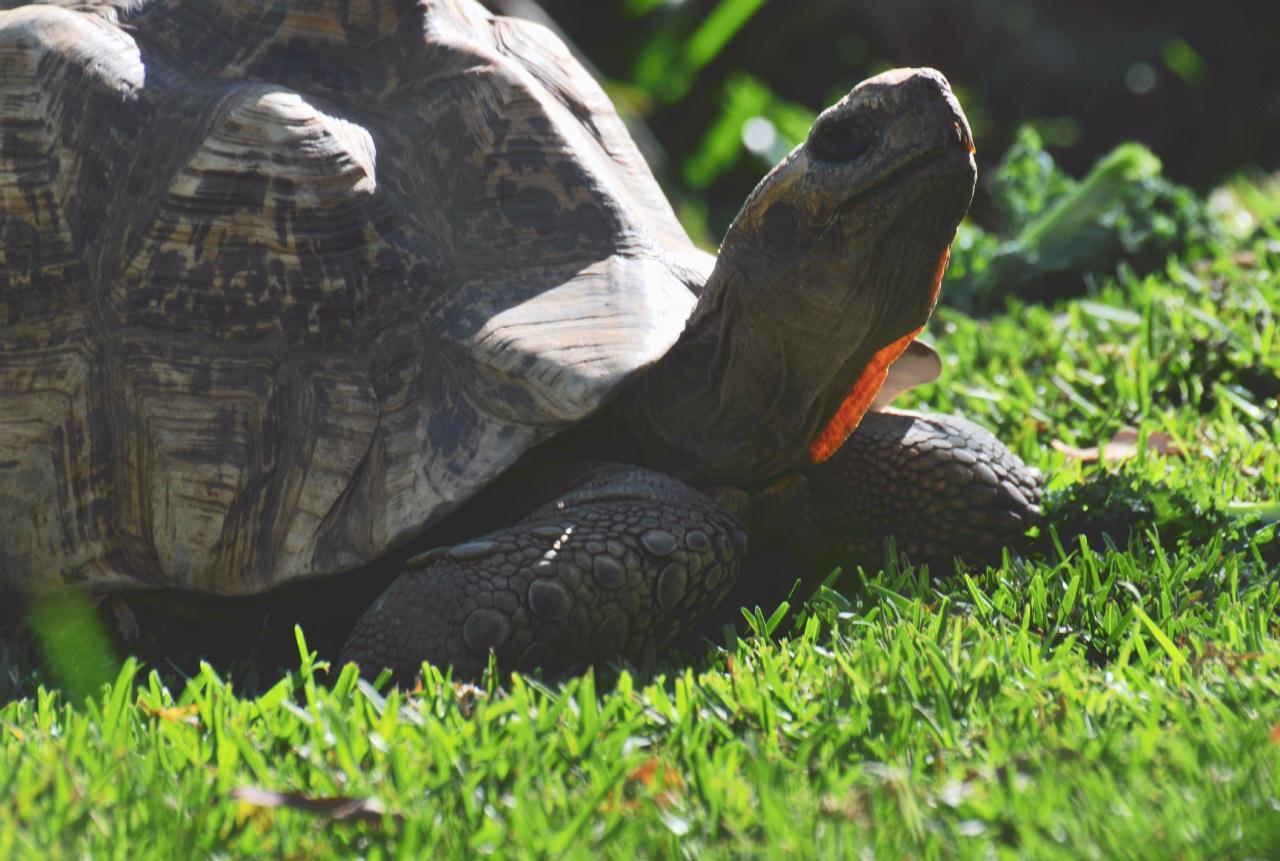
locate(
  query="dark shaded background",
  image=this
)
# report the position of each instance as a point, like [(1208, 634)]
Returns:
[(1198, 82)]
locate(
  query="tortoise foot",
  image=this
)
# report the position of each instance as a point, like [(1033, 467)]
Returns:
[(616, 568), (941, 486)]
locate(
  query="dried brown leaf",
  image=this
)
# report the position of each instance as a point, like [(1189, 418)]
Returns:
[(655, 774), (189, 714), (659, 779), (853, 806), (1123, 446), (467, 695), (333, 808)]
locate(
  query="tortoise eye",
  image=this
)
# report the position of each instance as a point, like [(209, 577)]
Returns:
[(842, 137)]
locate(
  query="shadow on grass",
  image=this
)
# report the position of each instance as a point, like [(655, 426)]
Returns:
[(74, 644)]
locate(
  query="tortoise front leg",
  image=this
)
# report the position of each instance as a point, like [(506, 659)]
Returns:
[(941, 486), (617, 567)]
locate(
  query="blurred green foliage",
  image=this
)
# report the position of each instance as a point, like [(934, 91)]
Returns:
[(752, 127), (724, 88), (1055, 233), (779, 126), (77, 649), (669, 62)]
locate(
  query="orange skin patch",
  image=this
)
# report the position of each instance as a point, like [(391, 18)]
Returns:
[(864, 391)]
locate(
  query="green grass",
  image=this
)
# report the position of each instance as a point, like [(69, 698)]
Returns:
[(1105, 698)]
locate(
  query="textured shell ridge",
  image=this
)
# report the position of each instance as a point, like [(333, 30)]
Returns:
[(284, 283)]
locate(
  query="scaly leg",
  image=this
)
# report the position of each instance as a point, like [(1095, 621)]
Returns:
[(940, 485), (617, 567)]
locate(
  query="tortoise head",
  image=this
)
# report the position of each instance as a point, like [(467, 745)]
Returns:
[(824, 277)]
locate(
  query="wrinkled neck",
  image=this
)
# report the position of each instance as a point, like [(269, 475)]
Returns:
[(742, 393)]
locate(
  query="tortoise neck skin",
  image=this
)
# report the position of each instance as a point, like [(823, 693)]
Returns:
[(834, 257)]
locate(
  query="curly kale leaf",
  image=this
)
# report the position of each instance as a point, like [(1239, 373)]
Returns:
[(1055, 232)]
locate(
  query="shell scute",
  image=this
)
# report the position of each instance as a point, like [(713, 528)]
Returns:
[(283, 284)]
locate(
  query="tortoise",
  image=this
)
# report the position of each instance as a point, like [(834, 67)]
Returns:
[(294, 290)]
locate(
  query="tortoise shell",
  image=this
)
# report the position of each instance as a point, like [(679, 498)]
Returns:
[(284, 283)]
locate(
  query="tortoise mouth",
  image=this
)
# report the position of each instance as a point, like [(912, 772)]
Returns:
[(926, 173), (915, 209), (863, 392)]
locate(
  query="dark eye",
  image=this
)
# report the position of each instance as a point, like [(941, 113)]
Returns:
[(841, 137)]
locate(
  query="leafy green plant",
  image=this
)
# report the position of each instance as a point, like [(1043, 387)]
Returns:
[(1056, 233), (671, 59), (1117, 508)]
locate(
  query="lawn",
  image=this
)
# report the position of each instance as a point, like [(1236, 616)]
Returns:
[(1113, 692)]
